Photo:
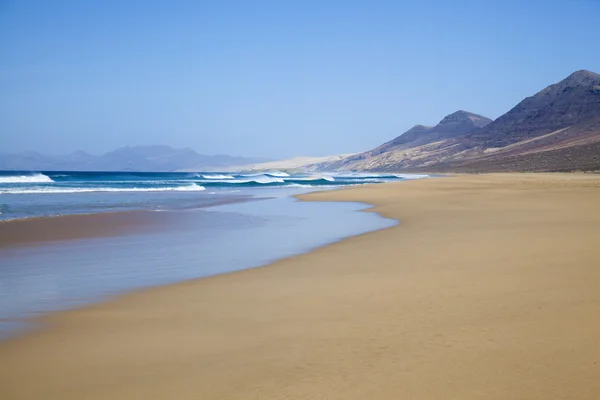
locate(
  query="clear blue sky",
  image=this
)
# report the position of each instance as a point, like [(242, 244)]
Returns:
[(273, 78)]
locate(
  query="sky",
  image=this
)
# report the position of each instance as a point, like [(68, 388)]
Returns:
[(273, 78)]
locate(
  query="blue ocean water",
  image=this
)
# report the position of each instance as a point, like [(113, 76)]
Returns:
[(46, 193), (213, 231)]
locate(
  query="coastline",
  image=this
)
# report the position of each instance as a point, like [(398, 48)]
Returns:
[(60, 263), (487, 288), (31, 231), (56, 228)]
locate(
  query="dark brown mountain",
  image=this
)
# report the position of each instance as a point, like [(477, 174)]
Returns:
[(453, 125), (557, 129), (570, 102)]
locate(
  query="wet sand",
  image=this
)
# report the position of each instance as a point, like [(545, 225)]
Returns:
[(32, 231), (24, 232), (488, 288)]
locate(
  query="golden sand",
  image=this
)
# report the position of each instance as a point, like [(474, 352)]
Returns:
[(489, 288)]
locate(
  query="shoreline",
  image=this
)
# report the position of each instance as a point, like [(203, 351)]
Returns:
[(57, 228), (37, 230), (356, 317), (63, 244)]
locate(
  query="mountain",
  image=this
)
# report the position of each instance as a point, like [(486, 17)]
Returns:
[(408, 149), (452, 125), (557, 129), (570, 102), (137, 158)]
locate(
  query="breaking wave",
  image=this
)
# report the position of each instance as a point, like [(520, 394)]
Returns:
[(41, 190), (88, 182), (34, 178), (216, 176)]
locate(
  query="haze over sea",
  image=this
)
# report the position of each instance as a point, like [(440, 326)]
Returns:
[(210, 223)]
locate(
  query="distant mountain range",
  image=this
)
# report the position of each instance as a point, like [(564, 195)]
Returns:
[(557, 129), (138, 158)]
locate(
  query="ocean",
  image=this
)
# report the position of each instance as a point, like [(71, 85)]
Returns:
[(40, 194), (215, 223)]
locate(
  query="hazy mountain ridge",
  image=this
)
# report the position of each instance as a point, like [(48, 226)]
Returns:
[(155, 158), (557, 129)]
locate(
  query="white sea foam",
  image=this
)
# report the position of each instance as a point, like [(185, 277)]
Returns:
[(267, 179), (263, 179), (313, 178), (411, 176), (217, 177), (54, 190), (259, 179), (359, 175), (34, 178), (278, 174)]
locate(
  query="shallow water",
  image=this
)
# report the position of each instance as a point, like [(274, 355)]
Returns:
[(61, 275), (36, 194)]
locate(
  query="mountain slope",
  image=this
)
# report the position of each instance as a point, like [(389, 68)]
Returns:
[(452, 125), (406, 149), (558, 128), (569, 102)]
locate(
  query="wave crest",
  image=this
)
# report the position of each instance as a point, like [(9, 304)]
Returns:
[(278, 174), (53, 190), (34, 178), (274, 174), (313, 178), (217, 176)]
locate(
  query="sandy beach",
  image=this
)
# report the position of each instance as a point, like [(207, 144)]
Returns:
[(489, 288), (37, 230), (67, 227)]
